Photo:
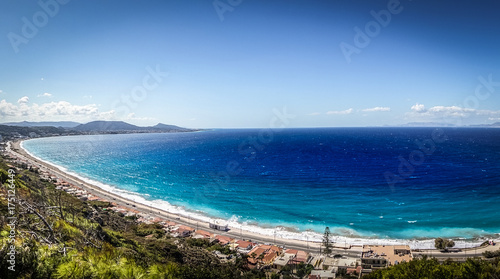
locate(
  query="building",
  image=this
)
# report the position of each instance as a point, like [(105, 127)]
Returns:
[(203, 234), (301, 257), (284, 259), (220, 256), (243, 246), (184, 231), (281, 262), (343, 263), (170, 224), (292, 256), (263, 255), (219, 225), (380, 256), (223, 240), (322, 274)]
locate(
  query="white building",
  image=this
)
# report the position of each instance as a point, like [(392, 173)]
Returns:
[(220, 225)]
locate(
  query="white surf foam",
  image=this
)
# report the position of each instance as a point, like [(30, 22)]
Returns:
[(278, 231)]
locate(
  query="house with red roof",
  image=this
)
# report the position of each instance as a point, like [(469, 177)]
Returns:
[(223, 240), (203, 234), (300, 257), (263, 255), (244, 246), (183, 231)]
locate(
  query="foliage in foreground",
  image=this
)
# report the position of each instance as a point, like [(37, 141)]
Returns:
[(431, 268), (60, 236)]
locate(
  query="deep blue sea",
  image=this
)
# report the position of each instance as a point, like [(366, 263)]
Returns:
[(378, 183)]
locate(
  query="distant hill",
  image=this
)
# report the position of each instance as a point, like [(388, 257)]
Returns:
[(162, 126), (63, 124), (12, 132), (106, 126), (438, 124), (496, 124), (21, 130), (427, 124), (120, 126)]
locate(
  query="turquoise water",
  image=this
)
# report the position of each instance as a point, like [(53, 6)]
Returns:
[(379, 183)]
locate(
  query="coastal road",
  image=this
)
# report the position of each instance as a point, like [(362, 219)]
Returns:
[(311, 247), (463, 254), (236, 233)]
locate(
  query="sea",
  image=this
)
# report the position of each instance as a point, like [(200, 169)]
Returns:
[(368, 185)]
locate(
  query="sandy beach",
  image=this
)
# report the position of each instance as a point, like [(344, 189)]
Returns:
[(237, 233), (234, 232)]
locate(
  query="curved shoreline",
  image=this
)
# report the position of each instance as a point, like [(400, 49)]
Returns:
[(133, 201)]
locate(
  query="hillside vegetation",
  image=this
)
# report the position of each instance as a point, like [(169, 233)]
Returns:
[(57, 235), (431, 268), (60, 236)]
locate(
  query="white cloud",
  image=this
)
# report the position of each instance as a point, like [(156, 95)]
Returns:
[(445, 111), (451, 113), (52, 111), (23, 100), (337, 112), (418, 108), (65, 108), (1, 91), (7, 109), (48, 95), (377, 109)]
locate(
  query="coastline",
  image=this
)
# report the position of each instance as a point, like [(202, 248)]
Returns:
[(150, 208)]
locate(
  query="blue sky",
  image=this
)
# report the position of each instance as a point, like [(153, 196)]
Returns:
[(237, 64)]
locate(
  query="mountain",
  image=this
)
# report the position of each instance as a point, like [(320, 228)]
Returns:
[(8, 132), (496, 124), (165, 127), (120, 126), (63, 124), (427, 124), (107, 126), (438, 124)]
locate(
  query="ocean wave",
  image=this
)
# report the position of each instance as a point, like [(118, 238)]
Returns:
[(343, 235)]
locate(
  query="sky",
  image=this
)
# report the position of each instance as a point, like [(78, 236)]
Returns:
[(246, 64)]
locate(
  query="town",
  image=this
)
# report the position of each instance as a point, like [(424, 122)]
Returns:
[(318, 261)]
